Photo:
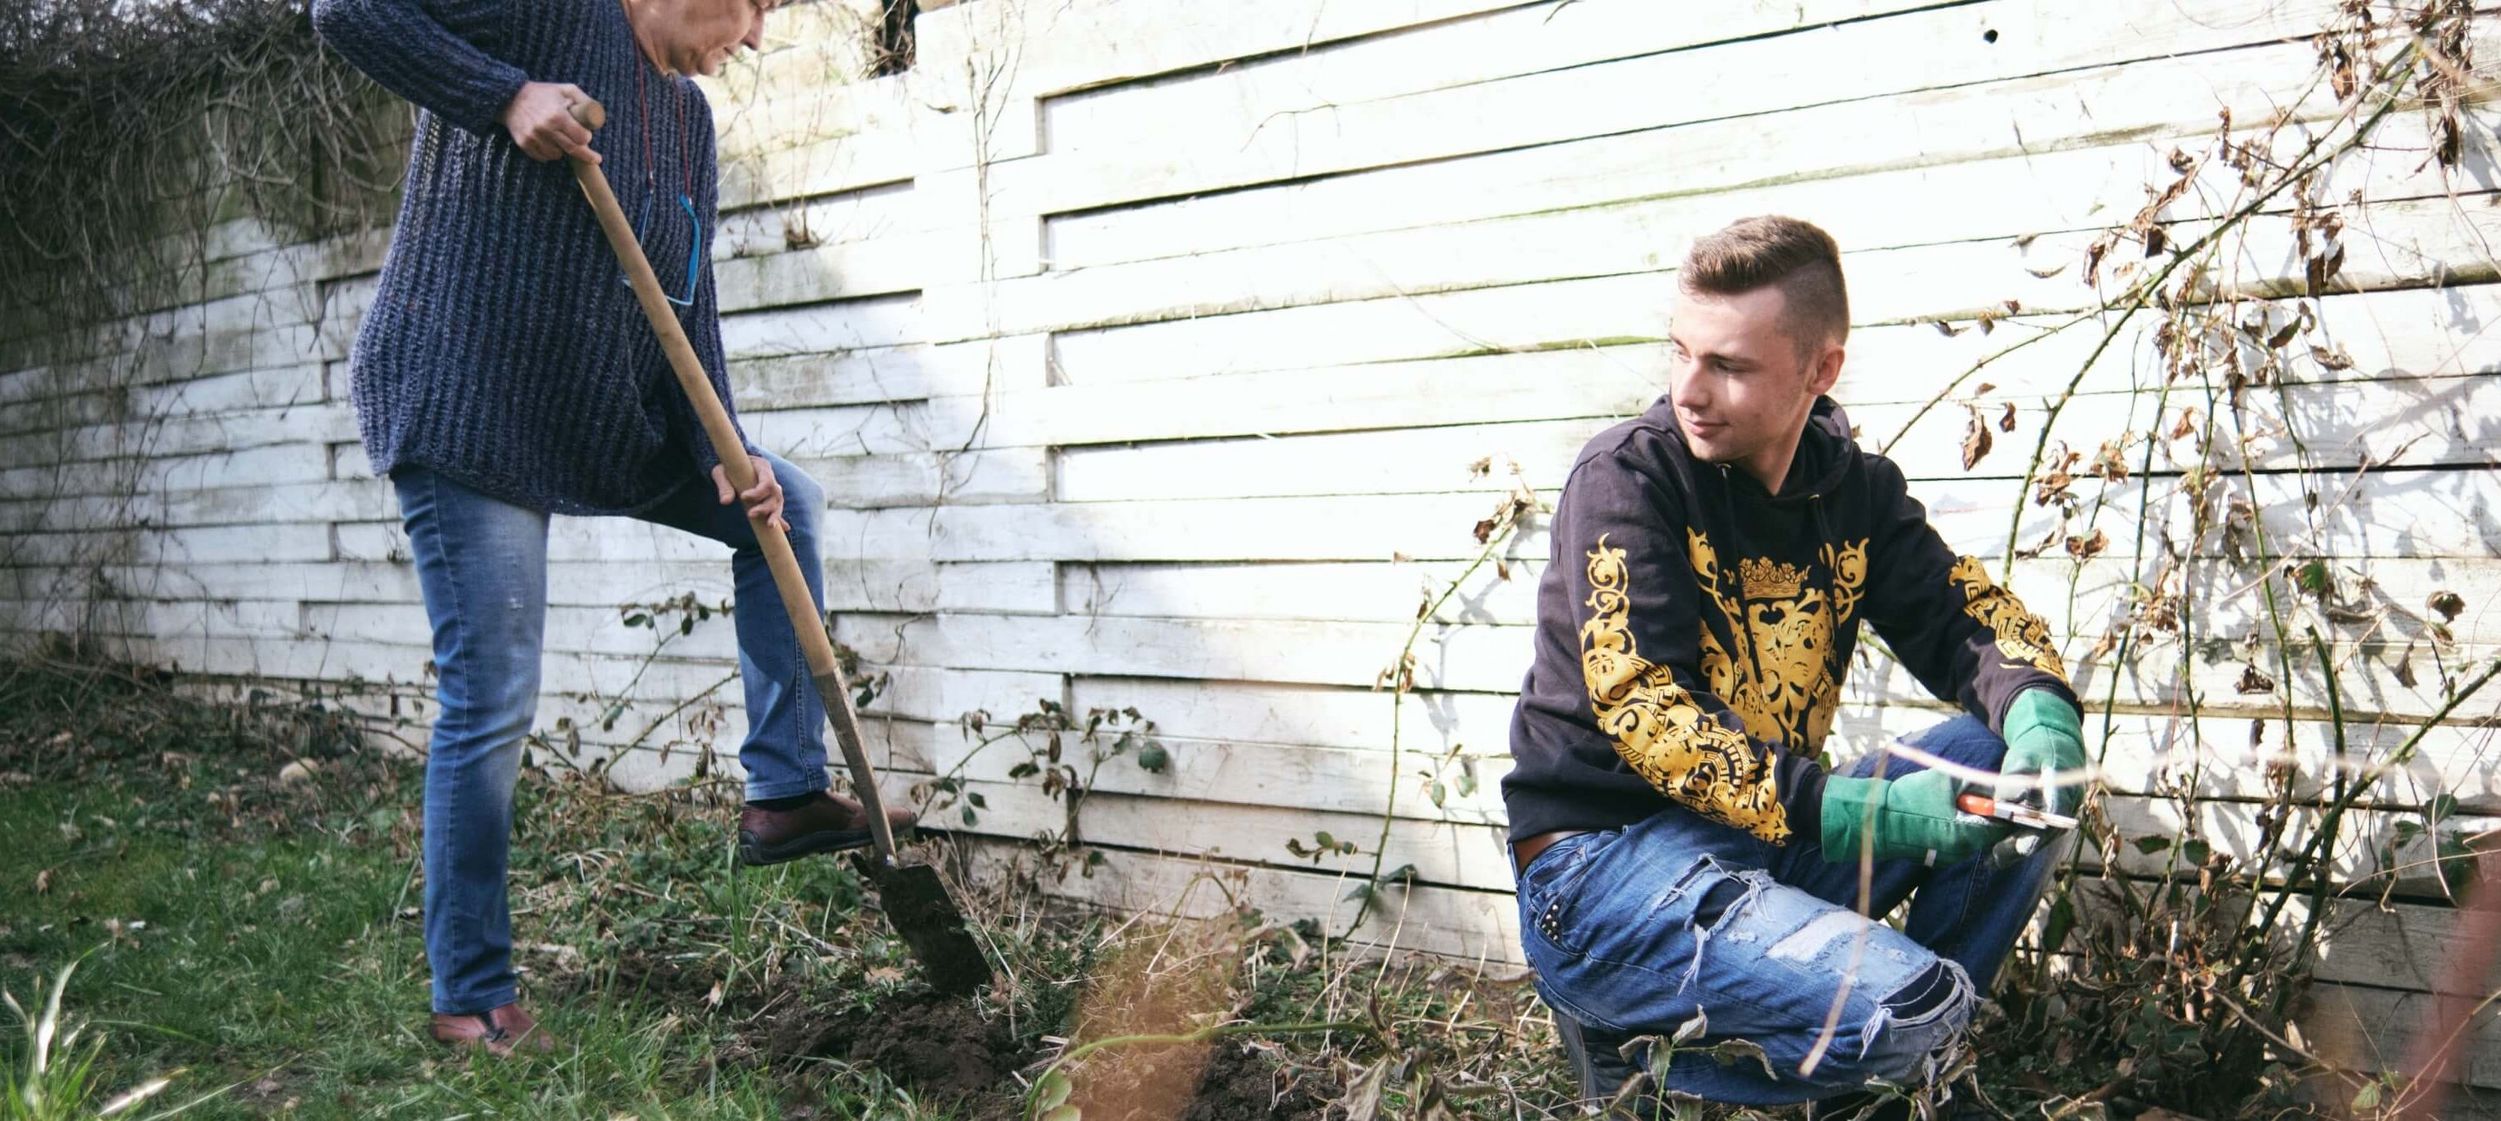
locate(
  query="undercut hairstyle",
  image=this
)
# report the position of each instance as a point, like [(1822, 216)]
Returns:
[(1772, 250)]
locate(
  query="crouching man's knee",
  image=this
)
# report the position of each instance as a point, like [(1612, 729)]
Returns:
[(1912, 1033)]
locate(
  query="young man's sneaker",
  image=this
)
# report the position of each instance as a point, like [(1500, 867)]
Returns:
[(773, 831), (500, 1032)]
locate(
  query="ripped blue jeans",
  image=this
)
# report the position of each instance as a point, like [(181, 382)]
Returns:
[(1636, 931)]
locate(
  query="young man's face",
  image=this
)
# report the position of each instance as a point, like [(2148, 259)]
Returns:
[(1742, 383), (698, 36)]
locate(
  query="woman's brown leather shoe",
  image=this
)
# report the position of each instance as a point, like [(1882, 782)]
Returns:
[(829, 823), (499, 1032)]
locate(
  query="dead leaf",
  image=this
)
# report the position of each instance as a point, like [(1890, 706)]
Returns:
[(2052, 485), (2323, 267), (2047, 273), (43, 881), (2006, 421), (2448, 604), (2340, 69), (2335, 359), (1362, 1101), (2253, 682), (2086, 548), (2110, 463), (2187, 424), (1976, 439), (1946, 329)]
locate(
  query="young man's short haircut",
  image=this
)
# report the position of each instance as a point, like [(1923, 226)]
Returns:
[(1797, 256)]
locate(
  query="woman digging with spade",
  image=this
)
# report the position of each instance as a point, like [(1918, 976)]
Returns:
[(504, 374)]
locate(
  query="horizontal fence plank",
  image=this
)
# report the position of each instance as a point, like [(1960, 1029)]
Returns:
[(1494, 659), (2386, 601), (2393, 334), (1081, 45), (2016, 196), (2446, 513), (1616, 97), (1475, 926), (2406, 422), (2368, 1029), (1955, 281)]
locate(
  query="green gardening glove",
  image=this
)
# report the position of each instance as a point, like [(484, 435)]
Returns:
[(1906, 818), (2044, 733)]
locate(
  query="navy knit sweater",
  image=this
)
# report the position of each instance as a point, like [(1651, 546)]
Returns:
[(504, 349)]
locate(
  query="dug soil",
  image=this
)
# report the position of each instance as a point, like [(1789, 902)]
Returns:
[(944, 1050)]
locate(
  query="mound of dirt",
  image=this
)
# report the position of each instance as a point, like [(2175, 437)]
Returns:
[(1226, 1081), (1243, 1082), (943, 1048), (936, 1045)]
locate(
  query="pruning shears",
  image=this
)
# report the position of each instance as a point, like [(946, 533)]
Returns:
[(2014, 813)]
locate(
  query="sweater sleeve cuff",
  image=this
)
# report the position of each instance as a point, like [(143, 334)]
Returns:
[(482, 97), (1802, 785), (706, 459)]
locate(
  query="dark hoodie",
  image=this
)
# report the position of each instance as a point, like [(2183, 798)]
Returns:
[(1646, 692)]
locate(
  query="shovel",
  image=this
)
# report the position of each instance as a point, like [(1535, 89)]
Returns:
[(915, 901)]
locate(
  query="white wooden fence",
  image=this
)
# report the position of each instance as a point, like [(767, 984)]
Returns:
[(1145, 350)]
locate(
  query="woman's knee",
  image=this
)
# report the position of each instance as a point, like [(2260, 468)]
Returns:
[(803, 498)]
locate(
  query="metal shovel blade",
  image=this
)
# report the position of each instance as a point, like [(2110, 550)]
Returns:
[(916, 902)]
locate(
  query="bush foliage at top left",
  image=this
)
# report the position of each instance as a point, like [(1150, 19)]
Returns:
[(133, 131)]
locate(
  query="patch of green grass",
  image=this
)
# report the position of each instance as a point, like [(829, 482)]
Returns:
[(259, 934), (262, 936), (288, 967)]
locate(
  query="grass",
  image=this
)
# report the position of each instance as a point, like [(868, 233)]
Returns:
[(236, 886), (256, 937)]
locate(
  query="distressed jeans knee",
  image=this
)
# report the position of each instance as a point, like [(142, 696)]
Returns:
[(1671, 921), (1914, 1030)]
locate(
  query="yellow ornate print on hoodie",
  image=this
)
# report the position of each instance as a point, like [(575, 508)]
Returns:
[(1787, 689), (1659, 728)]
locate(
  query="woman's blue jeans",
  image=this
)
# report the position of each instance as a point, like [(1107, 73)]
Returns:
[(1637, 931), (482, 566)]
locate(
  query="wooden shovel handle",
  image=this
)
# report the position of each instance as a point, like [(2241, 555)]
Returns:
[(822, 667)]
